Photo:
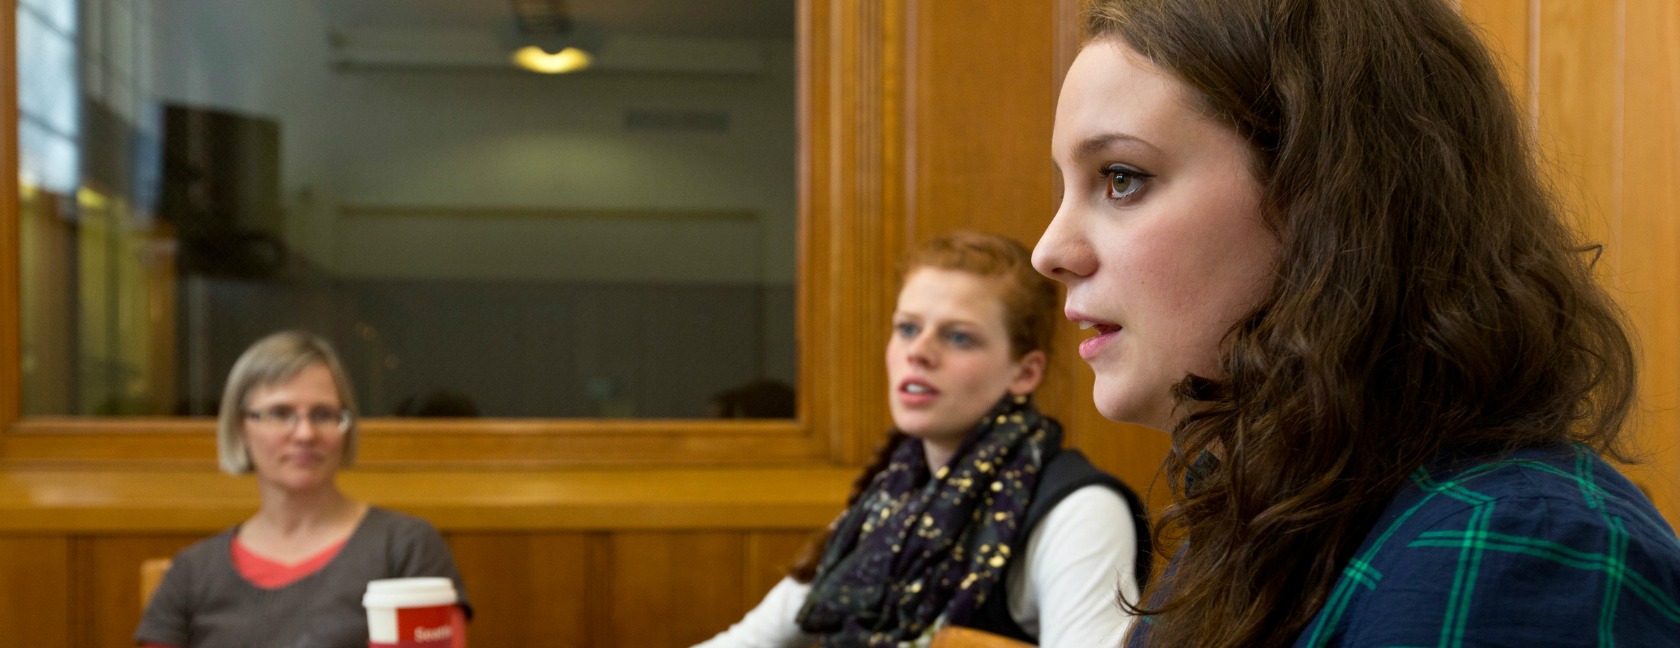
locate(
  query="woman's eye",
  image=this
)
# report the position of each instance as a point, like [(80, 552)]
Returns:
[(905, 329), (960, 338), (1124, 182)]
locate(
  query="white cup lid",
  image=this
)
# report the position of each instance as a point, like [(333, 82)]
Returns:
[(409, 592)]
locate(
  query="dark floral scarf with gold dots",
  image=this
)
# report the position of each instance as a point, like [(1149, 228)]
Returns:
[(917, 546)]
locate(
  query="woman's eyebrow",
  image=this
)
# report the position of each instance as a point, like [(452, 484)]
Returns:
[(1098, 143)]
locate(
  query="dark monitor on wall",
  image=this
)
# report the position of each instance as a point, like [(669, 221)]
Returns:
[(221, 190)]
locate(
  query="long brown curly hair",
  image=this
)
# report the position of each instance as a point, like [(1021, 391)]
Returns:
[(1428, 296)]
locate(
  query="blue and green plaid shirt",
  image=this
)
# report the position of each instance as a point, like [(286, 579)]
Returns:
[(1540, 548)]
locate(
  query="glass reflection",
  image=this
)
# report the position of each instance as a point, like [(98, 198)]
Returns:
[(476, 239)]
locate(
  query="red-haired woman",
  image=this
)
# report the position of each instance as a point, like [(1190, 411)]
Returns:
[(973, 514)]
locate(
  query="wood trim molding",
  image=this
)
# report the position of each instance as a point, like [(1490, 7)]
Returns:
[(162, 500), (50, 426), (368, 212), (388, 444), (11, 324), (1068, 38), (852, 198)]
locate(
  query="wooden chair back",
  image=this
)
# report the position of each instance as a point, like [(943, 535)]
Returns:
[(151, 574)]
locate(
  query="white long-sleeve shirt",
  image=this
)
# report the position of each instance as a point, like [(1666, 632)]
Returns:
[(1077, 559)]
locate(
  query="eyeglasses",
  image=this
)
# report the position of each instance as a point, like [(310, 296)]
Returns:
[(286, 417)]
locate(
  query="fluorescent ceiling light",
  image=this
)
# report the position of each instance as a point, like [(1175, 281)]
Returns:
[(570, 59)]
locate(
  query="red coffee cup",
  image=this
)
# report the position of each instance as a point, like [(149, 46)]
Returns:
[(411, 613)]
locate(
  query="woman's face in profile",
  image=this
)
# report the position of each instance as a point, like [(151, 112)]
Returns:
[(296, 442), (1158, 236), (949, 360)]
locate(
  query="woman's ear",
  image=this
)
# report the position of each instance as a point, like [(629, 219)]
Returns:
[(1029, 372)]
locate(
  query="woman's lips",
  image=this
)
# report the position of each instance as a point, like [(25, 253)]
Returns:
[(914, 391), (1093, 346), (305, 459)]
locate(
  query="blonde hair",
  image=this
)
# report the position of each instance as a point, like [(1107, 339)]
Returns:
[(273, 360)]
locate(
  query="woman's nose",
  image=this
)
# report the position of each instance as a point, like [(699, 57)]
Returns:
[(921, 351), (1062, 253), (304, 429)]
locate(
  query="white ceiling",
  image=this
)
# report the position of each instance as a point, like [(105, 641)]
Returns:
[(728, 19)]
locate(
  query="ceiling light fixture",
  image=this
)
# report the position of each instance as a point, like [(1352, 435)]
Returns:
[(545, 39), (568, 59)]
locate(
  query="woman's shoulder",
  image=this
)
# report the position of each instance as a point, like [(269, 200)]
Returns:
[(1543, 491), (1526, 544), (384, 522), (381, 516), (217, 547), (1558, 501)]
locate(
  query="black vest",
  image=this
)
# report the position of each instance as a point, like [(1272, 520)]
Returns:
[(1067, 472)]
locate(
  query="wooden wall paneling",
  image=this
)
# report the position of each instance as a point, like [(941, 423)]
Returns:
[(1504, 26), (1068, 37), (981, 104), (1650, 141), (35, 589), (983, 98), (11, 359), (768, 555), (674, 589), (1605, 93), (1578, 83), (105, 581), (531, 589)]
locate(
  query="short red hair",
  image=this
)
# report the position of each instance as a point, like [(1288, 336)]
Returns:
[(1029, 299)]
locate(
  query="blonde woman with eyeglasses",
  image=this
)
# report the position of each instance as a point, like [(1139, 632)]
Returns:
[(293, 574)]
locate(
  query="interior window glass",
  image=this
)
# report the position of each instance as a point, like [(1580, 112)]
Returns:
[(476, 238)]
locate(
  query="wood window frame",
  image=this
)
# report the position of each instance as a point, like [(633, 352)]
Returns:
[(850, 192)]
